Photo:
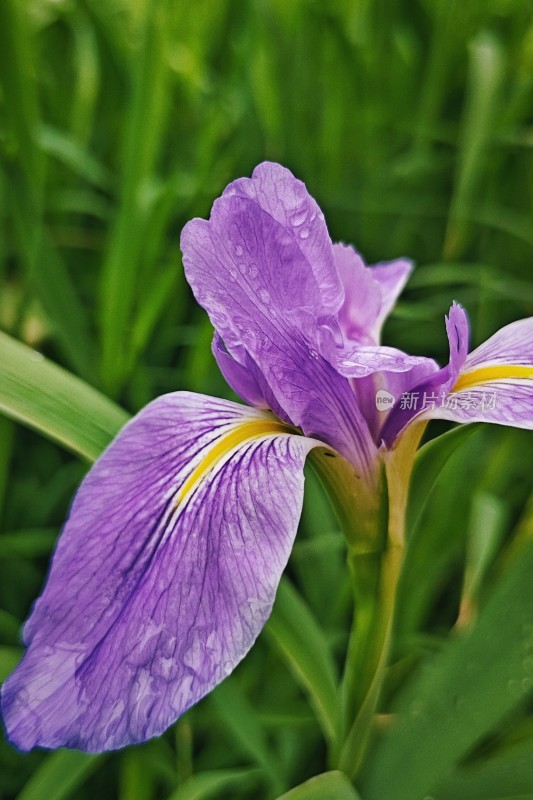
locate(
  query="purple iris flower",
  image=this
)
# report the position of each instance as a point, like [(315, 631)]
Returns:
[(167, 568)]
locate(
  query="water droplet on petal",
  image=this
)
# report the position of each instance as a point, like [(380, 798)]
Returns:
[(264, 343), (264, 296), (298, 218), (238, 250), (242, 268), (192, 658), (304, 233), (313, 353), (233, 273), (253, 271)]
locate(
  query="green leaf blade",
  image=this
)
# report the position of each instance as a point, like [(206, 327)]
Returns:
[(239, 718), (328, 786), (297, 635), (46, 397), (213, 782), (430, 460), (462, 695), (60, 775)]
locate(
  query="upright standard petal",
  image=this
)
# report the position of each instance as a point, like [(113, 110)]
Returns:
[(362, 297), (249, 272), (164, 575), (286, 199), (370, 294), (392, 277)]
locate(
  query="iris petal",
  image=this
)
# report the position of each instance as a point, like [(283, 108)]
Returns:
[(266, 301), (277, 192), (369, 293), (243, 378), (392, 277), (369, 359), (502, 401), (164, 575), (494, 383), (513, 344)]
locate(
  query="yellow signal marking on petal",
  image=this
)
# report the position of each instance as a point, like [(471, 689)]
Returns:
[(244, 433), (488, 374)]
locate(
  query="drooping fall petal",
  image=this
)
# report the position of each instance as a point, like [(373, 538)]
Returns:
[(495, 382), (165, 573)]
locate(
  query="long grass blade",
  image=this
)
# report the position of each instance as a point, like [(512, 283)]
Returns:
[(46, 397), (142, 140)]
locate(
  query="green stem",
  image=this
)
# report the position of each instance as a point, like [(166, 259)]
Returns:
[(373, 521), (368, 652), (375, 583)]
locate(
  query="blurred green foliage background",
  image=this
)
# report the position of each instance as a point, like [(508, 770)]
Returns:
[(411, 122)]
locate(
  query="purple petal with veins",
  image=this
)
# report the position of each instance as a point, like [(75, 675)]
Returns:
[(437, 382), (497, 381), (392, 277), (369, 294), (276, 191), (250, 272), (241, 378), (151, 599), (513, 344), (246, 380), (491, 384)]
